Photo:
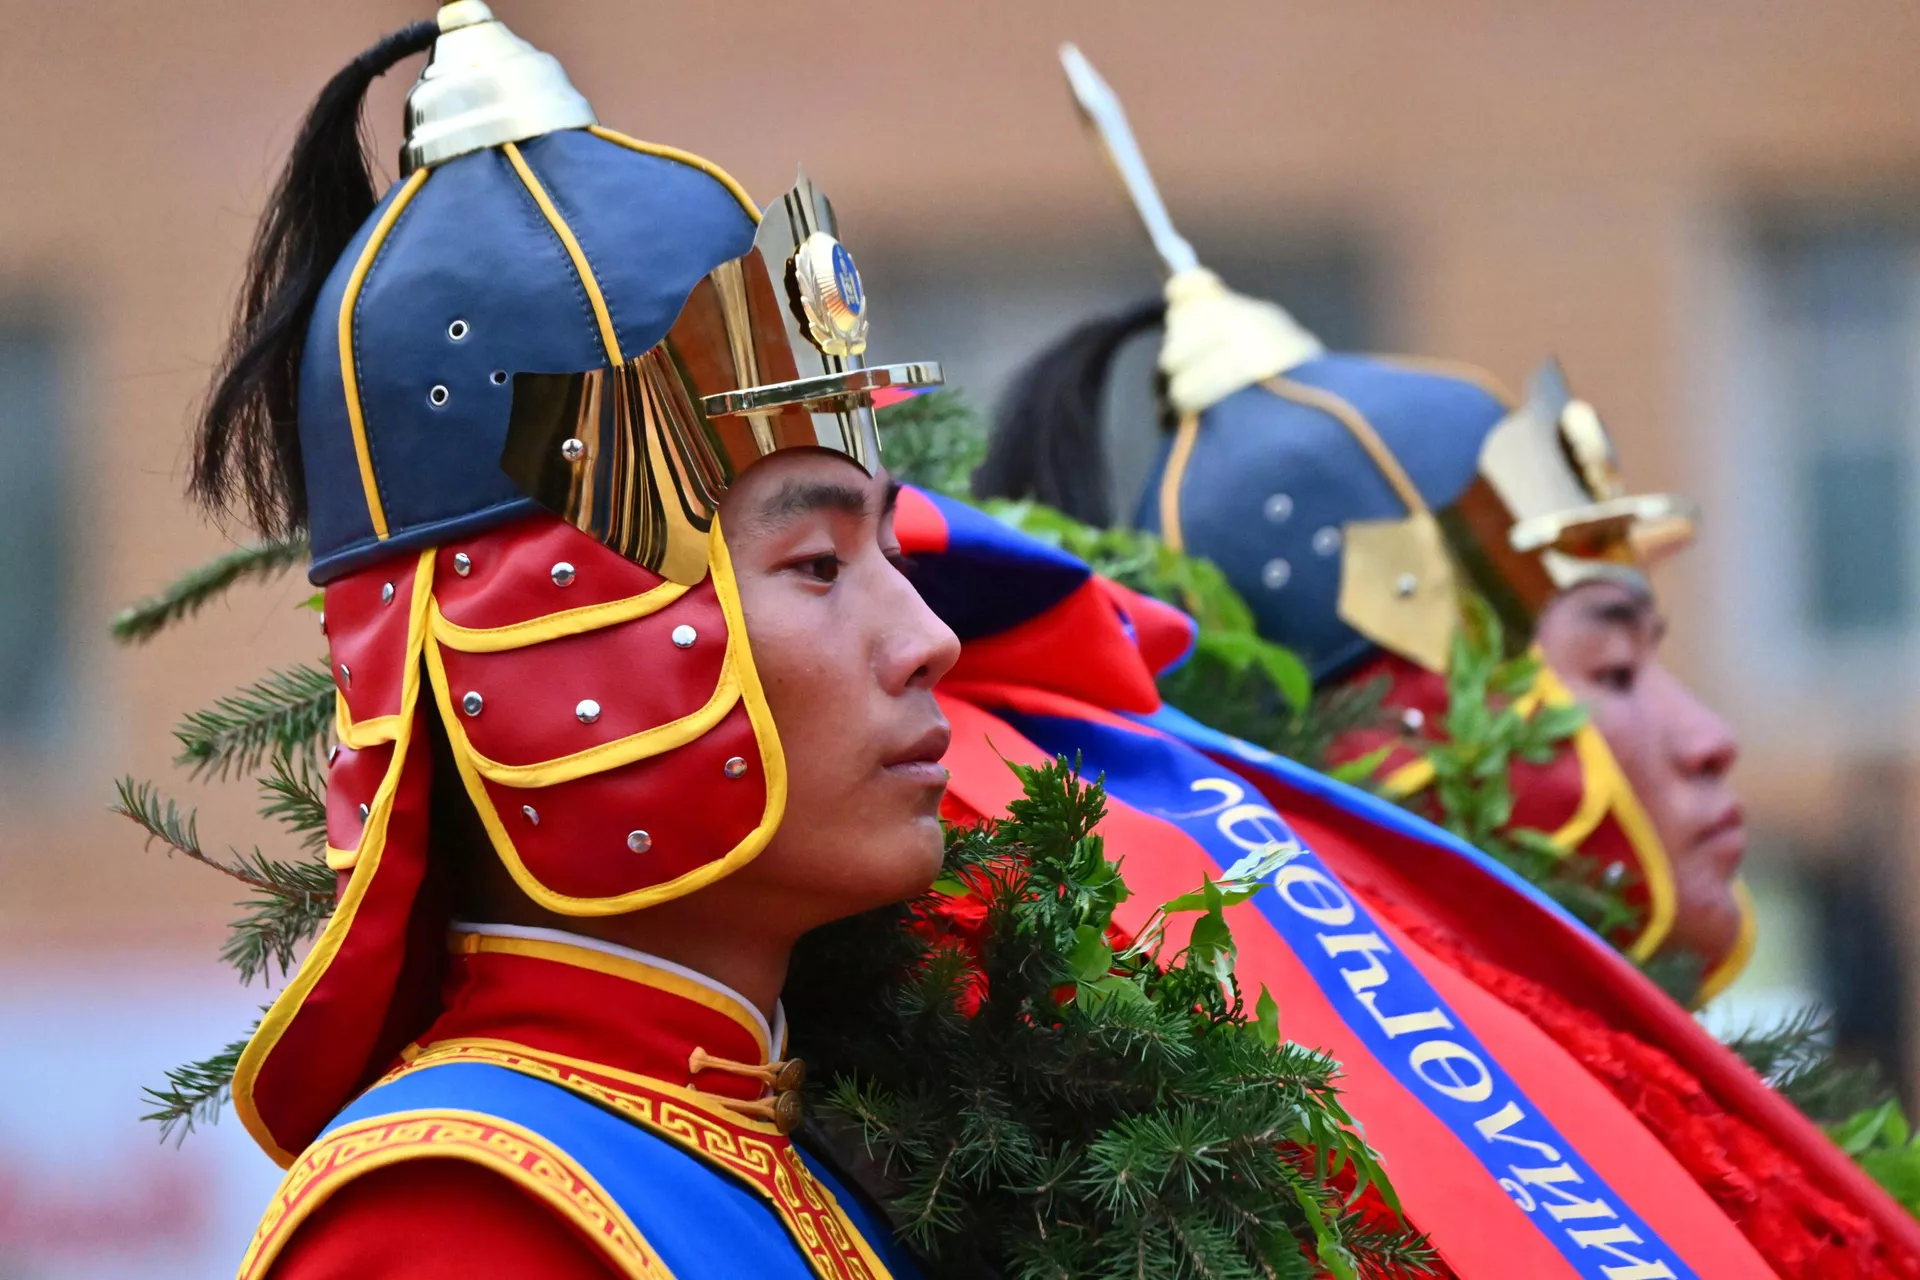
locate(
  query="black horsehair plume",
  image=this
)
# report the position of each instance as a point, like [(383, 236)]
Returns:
[(1048, 443), (246, 455)]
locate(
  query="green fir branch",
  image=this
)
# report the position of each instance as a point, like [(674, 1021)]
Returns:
[(1796, 1055), (294, 903), (294, 794), (1023, 1100), (194, 590), (195, 1093), (290, 900), (288, 713)]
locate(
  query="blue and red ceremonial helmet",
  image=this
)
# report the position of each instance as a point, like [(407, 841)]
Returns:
[(526, 385), (1352, 499)]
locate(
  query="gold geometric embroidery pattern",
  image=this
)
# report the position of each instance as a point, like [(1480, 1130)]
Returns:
[(767, 1162), (517, 1154)]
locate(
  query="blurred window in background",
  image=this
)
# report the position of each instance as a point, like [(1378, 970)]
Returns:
[(36, 451), (1844, 301)]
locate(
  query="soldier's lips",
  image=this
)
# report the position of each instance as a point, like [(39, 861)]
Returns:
[(919, 762), (1724, 839)]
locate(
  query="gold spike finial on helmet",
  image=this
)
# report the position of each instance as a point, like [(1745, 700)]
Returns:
[(1218, 341), (485, 86)]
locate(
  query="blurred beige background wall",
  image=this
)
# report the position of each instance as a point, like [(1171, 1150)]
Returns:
[(1707, 210)]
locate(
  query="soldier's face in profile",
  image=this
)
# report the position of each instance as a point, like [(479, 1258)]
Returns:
[(1602, 640), (848, 654)]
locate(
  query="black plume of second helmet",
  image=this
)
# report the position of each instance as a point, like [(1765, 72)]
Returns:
[(1353, 500)]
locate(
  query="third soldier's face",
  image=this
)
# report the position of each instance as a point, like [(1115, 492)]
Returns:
[(1602, 640), (848, 654)]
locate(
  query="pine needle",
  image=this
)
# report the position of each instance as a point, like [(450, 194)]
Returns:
[(291, 901), (288, 713), (196, 589), (295, 796), (195, 1092)]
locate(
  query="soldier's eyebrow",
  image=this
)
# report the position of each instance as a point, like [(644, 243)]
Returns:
[(797, 498), (1630, 613)]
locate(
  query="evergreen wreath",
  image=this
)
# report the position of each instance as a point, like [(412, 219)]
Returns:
[(1036, 1096)]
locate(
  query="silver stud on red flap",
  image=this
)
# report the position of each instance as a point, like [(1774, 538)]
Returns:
[(639, 841), (735, 767), (684, 636), (386, 593), (462, 563), (586, 711), (562, 574), (471, 702)]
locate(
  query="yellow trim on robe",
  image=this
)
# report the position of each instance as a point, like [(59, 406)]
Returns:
[(514, 1056), (373, 837), (582, 268), (1178, 457), (553, 626), (701, 163), (613, 966), (739, 682), (524, 1158), (743, 1149), (349, 375)]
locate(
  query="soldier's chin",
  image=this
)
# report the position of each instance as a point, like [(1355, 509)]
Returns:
[(904, 859), (1706, 921)]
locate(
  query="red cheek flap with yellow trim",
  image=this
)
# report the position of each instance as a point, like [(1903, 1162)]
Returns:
[(608, 724), (588, 692), (1562, 797)]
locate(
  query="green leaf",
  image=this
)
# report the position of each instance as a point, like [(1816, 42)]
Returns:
[(1266, 1015), (1555, 724), (1211, 946), (1091, 957), (1361, 769)]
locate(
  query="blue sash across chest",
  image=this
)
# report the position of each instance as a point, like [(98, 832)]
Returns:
[(701, 1223)]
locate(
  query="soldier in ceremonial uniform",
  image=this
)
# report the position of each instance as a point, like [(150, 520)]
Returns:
[(599, 763), (1351, 500)]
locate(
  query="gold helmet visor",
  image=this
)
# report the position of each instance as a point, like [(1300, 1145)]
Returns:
[(766, 355)]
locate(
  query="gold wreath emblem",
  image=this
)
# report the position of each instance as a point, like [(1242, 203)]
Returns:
[(831, 295)]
